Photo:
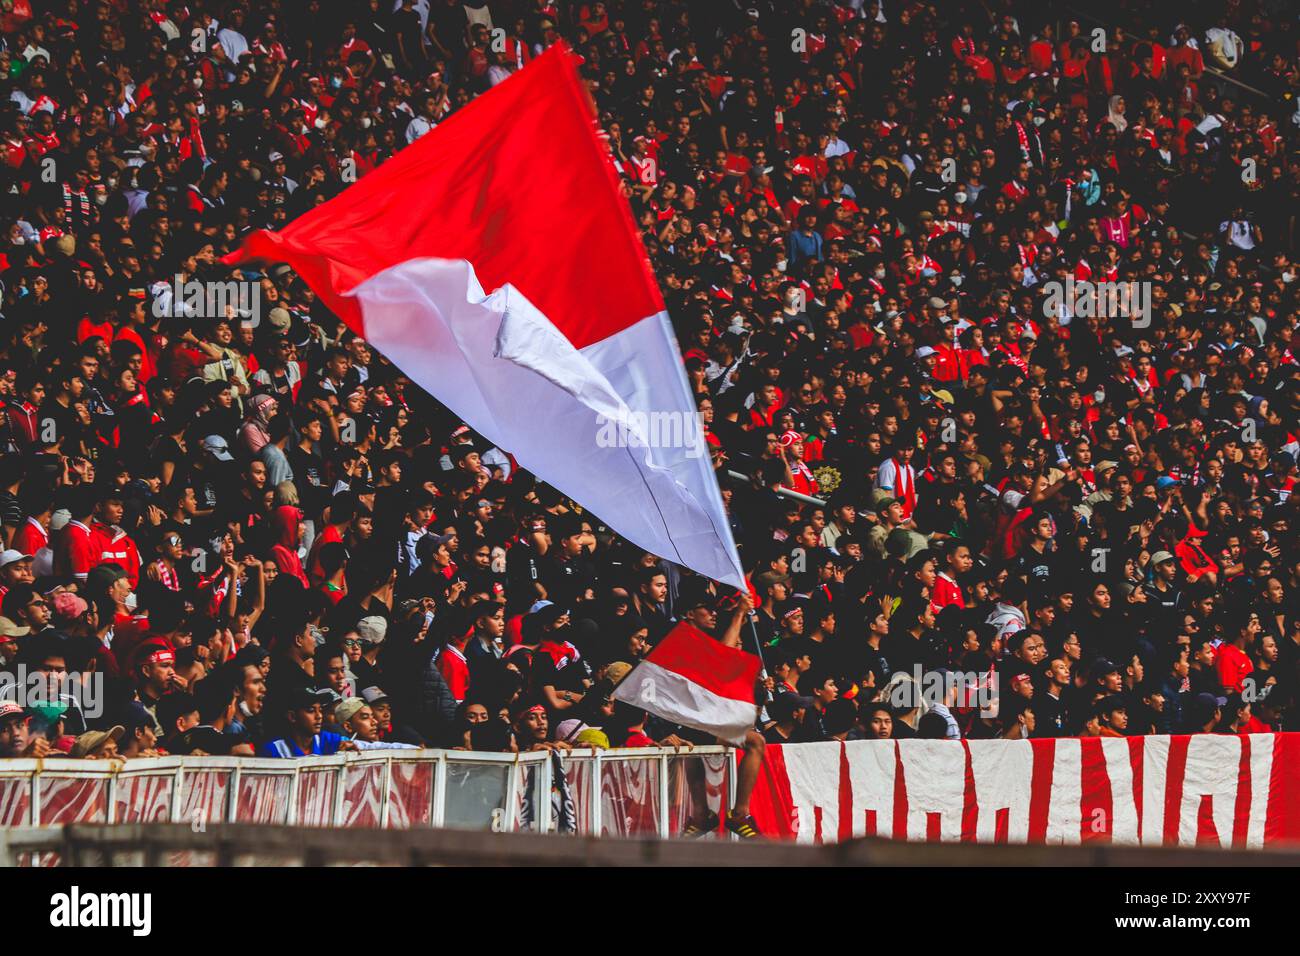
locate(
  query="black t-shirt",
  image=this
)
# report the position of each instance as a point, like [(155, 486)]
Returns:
[(309, 478), (406, 24), (1050, 717), (1036, 568), (545, 673)]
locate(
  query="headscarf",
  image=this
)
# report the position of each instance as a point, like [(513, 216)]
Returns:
[(1113, 116), (254, 435)]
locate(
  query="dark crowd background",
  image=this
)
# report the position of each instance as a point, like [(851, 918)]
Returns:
[(257, 536)]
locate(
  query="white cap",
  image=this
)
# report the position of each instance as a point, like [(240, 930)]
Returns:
[(372, 630)]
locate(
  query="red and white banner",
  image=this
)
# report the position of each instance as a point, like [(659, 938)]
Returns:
[(1230, 791), (691, 679), (495, 262)]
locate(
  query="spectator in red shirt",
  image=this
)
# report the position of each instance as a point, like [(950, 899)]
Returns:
[(1232, 659)]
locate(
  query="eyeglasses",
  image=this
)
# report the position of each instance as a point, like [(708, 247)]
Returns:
[(351, 643)]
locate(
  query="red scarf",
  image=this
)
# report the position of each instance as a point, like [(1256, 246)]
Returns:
[(904, 488)]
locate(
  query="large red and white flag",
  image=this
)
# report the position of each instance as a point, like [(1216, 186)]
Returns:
[(496, 263), (693, 680)]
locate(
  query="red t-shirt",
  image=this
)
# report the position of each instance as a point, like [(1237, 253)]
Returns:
[(1232, 665), (947, 592), (30, 538), (455, 671), (76, 552)]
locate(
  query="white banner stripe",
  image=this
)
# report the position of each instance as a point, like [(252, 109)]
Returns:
[(673, 697)]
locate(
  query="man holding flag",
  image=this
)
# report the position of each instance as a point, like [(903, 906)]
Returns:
[(708, 683)]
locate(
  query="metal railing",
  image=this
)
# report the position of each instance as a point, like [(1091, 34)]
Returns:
[(649, 792)]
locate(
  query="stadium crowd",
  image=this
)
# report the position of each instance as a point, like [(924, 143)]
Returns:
[(258, 537)]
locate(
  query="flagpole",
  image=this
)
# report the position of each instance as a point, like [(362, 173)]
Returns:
[(762, 670)]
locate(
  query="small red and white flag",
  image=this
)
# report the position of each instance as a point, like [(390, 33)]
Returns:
[(497, 264), (691, 679)]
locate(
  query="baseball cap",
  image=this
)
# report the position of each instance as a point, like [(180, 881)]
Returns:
[(218, 448), (768, 578), (616, 671), (373, 695), (279, 319), (1102, 667), (10, 709), (548, 614), (924, 351), (10, 628), (302, 697), (372, 630), (348, 709), (1160, 557), (789, 438), (12, 556), (136, 716), (87, 742)]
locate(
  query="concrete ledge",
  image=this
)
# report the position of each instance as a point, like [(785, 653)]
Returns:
[(246, 844)]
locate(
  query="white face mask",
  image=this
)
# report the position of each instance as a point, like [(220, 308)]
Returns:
[(197, 81), (965, 108), (879, 273), (365, 122), (1288, 277), (960, 197), (1040, 120)]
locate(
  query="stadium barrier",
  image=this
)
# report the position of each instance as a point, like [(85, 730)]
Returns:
[(1233, 792), (640, 792)]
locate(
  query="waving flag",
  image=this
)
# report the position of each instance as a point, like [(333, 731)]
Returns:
[(693, 680), (496, 263)]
